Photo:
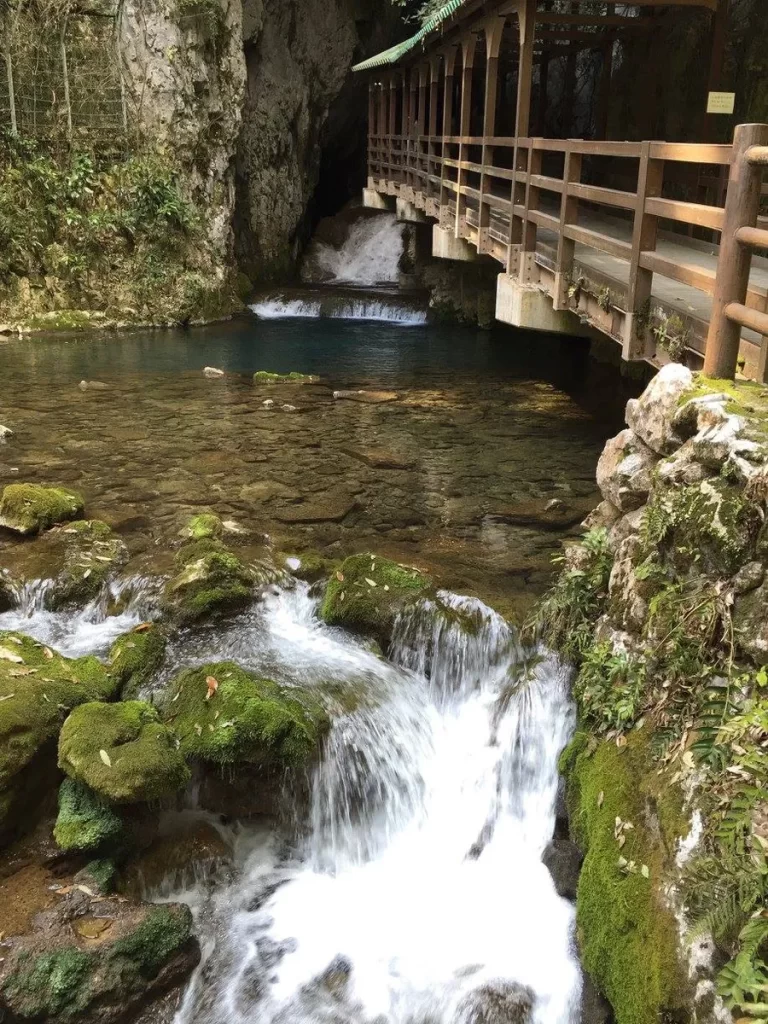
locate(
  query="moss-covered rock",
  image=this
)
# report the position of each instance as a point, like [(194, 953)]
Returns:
[(122, 751), (135, 657), (626, 819), (266, 377), (30, 508), (367, 592), (38, 687), (93, 553), (85, 821), (225, 715), (140, 953), (210, 580), (313, 567), (206, 525)]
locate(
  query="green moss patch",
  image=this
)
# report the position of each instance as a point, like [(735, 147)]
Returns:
[(122, 751), (223, 714), (38, 687), (85, 821), (267, 377), (626, 820), (204, 526), (69, 981), (135, 657), (211, 580), (367, 592), (30, 508)]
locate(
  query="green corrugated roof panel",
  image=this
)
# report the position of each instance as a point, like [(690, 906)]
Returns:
[(395, 53)]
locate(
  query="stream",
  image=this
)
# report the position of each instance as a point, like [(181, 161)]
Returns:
[(409, 888)]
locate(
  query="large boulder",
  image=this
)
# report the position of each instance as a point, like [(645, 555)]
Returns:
[(651, 416), (38, 687), (210, 580), (30, 508), (95, 960), (123, 752), (624, 471), (135, 657), (224, 715), (499, 1002), (93, 553), (85, 822), (367, 593)]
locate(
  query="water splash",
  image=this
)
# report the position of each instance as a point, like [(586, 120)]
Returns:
[(420, 880), (369, 256), (365, 307), (120, 606)]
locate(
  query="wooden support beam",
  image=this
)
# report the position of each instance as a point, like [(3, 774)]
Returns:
[(449, 64), (598, 20), (650, 181), (741, 209), (569, 214), (468, 48), (494, 30), (527, 17)]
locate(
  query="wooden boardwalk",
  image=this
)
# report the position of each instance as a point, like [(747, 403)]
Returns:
[(639, 267)]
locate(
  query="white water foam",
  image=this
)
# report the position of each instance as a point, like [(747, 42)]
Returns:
[(277, 307), (369, 257), (88, 630), (420, 881)]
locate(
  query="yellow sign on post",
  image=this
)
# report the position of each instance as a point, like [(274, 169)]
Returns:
[(721, 102)]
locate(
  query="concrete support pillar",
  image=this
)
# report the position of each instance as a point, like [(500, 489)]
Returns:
[(446, 246), (532, 309)]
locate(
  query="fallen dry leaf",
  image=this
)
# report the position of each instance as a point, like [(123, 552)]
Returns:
[(340, 577), (213, 685), (6, 655), (142, 627), (48, 653), (105, 758)]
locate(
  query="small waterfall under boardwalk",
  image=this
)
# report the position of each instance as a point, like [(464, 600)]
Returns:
[(356, 279)]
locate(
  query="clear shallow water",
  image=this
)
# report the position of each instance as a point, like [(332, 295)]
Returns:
[(484, 422)]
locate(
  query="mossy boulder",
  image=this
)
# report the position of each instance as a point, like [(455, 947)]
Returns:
[(627, 820), (123, 752), (367, 593), (138, 954), (85, 821), (204, 526), (93, 553), (225, 715), (30, 508), (266, 377), (38, 687), (210, 580), (135, 657), (313, 567)]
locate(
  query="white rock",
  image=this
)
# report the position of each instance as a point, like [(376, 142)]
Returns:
[(624, 471), (5, 432), (605, 515), (287, 407), (212, 371), (652, 415), (628, 526), (268, 403), (627, 603)]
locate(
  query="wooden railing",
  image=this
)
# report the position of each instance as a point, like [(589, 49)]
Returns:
[(508, 195)]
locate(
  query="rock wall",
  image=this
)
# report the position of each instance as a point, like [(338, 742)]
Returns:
[(298, 54), (663, 609)]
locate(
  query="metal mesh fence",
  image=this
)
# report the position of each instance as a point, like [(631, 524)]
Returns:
[(60, 79)]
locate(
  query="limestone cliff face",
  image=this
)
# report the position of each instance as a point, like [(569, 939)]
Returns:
[(184, 69), (297, 54)]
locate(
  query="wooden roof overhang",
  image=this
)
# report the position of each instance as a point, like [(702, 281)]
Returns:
[(458, 17)]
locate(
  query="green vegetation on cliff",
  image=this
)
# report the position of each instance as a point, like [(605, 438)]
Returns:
[(86, 241)]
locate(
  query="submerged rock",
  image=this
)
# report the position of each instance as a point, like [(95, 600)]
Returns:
[(123, 752), (266, 377), (211, 580), (94, 959), (367, 593), (5, 433), (135, 657), (93, 553), (30, 508), (204, 526), (499, 1002), (213, 372), (181, 856), (37, 689), (85, 821), (367, 397), (225, 715)]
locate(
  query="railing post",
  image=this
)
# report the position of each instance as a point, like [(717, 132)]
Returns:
[(742, 205), (448, 68), (532, 197), (469, 45), (650, 180), (569, 212), (493, 35), (434, 93)]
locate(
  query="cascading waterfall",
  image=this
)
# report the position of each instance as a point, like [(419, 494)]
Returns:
[(418, 891), (369, 256), (390, 309)]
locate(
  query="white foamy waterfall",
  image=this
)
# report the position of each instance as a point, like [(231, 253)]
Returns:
[(366, 306), (418, 890), (369, 256)]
